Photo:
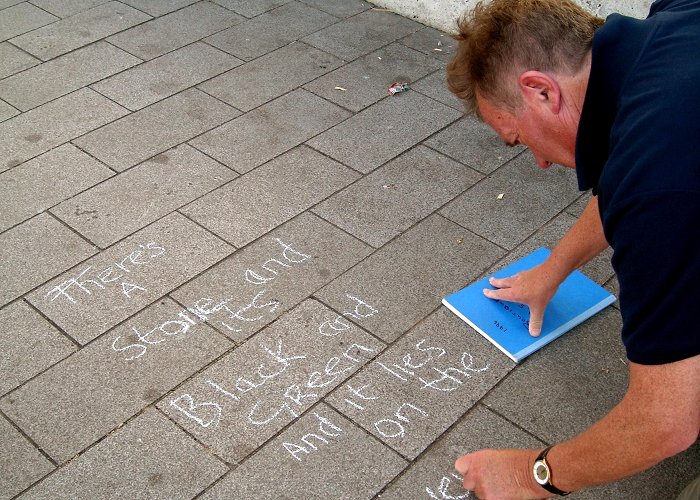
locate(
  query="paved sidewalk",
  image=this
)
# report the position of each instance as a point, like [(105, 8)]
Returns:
[(223, 247)]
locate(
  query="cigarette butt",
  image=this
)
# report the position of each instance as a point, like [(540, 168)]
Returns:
[(341, 88)]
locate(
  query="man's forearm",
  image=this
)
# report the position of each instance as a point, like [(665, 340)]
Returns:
[(658, 417), (580, 244)]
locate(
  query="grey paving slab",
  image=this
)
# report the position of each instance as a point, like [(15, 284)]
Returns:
[(394, 197), (102, 292), (309, 455), (150, 131), (577, 207), (45, 181), (473, 143), (86, 396), (430, 41), (435, 86), (133, 199), (26, 335), (166, 75), (530, 197), (367, 80), (588, 361), (175, 30), (67, 8), (35, 251), (339, 8), (7, 111), (244, 399), (433, 474), (269, 195), (270, 76), (64, 74), (79, 30), (147, 458), (384, 130), (407, 278), (361, 34), (14, 60), (257, 284), (416, 390), (251, 8), (21, 18), (268, 131), (53, 124), (21, 464), (159, 7), (8, 3), (271, 30)]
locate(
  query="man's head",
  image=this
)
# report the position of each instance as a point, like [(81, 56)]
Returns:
[(522, 65)]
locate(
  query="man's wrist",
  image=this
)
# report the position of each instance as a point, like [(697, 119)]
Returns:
[(543, 473)]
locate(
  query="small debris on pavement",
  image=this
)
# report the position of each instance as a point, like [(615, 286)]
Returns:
[(500, 196), (341, 88), (397, 87)]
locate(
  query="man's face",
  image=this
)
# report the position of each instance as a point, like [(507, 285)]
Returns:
[(547, 137)]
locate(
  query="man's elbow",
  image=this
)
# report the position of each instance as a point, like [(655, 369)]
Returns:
[(675, 437)]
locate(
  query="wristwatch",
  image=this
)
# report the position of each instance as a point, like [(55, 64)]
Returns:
[(543, 474)]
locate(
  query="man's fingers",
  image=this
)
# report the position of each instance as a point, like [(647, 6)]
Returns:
[(502, 282), (500, 294), (461, 464)]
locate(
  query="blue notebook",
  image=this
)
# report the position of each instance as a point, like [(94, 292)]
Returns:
[(505, 324)]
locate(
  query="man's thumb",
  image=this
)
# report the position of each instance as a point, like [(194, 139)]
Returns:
[(535, 326)]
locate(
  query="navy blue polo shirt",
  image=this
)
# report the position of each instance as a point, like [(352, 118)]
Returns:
[(638, 149)]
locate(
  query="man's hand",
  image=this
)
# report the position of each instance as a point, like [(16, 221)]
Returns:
[(501, 474), (534, 288)]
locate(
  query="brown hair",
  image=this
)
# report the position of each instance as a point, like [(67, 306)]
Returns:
[(502, 37)]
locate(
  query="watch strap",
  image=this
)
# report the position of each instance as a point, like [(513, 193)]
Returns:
[(548, 485)]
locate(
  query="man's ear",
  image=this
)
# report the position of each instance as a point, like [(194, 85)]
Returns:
[(540, 89)]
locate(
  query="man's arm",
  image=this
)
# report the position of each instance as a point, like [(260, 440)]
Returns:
[(536, 287), (658, 417)]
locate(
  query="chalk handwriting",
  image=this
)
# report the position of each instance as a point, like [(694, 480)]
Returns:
[(205, 414), (272, 267), (394, 428), (310, 442), (235, 315), (449, 378), (296, 395), (442, 493), (360, 310), (88, 282)]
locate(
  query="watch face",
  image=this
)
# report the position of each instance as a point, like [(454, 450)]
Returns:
[(541, 472)]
